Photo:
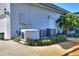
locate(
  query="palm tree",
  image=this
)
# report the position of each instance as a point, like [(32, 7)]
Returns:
[(66, 21)]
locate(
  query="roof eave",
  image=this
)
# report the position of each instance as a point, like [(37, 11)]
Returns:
[(52, 6)]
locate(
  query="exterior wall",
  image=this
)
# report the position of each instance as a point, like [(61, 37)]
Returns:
[(5, 20), (31, 16), (4, 5), (3, 26), (19, 17), (42, 18)]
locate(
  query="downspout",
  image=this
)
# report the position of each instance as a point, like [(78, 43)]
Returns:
[(29, 15)]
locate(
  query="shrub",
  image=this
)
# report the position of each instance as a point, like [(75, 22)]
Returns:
[(77, 35), (17, 38), (70, 35), (60, 38), (47, 41), (73, 35), (38, 42), (54, 39), (30, 42)]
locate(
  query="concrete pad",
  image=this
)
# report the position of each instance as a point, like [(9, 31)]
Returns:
[(67, 45), (76, 40), (11, 48)]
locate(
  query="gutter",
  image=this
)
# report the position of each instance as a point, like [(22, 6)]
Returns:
[(54, 7)]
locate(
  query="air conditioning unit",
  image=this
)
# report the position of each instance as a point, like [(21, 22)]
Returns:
[(30, 34)]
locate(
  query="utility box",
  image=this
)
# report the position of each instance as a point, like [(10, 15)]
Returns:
[(30, 34)]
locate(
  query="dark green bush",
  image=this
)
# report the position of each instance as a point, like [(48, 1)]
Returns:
[(73, 35), (54, 39), (70, 35), (60, 38), (77, 35)]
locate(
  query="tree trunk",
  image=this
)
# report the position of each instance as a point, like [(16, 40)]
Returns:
[(65, 31)]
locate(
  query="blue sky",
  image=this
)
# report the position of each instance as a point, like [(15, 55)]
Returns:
[(72, 7)]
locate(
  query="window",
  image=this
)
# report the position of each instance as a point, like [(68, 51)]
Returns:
[(51, 32), (47, 32), (42, 33)]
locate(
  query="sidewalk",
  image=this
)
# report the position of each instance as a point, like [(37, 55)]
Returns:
[(15, 49), (11, 48)]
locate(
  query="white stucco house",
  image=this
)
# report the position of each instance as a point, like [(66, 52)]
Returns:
[(41, 16)]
